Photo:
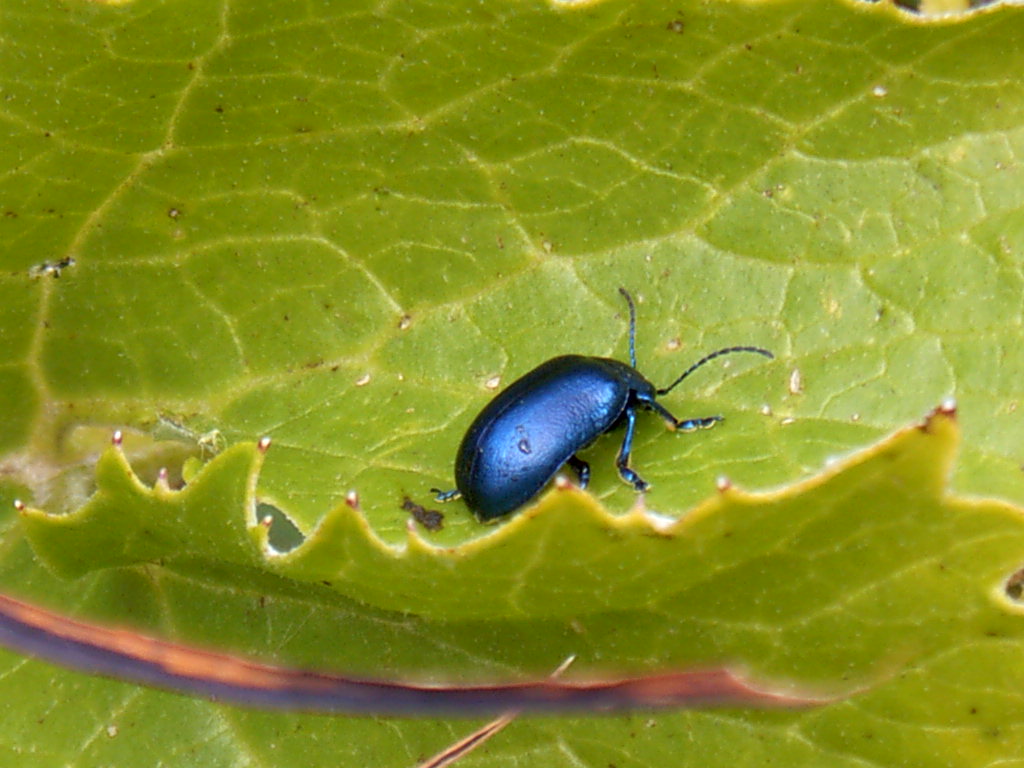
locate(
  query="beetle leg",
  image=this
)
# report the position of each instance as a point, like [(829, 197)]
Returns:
[(582, 470), (443, 496), (686, 425), (622, 462)]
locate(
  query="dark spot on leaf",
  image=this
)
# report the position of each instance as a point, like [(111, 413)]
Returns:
[(52, 268), (219, 109), (431, 519), (676, 25)]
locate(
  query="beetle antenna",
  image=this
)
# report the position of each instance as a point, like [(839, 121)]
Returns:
[(632, 325), (709, 358)]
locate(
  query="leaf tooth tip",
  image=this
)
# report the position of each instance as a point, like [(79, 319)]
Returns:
[(19, 505), (352, 499), (562, 483), (946, 408), (264, 444), (117, 438), (723, 483), (267, 521)]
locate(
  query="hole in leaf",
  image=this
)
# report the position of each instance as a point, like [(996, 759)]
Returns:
[(283, 536), (1015, 586)]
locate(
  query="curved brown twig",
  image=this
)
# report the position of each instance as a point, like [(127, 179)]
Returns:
[(128, 655)]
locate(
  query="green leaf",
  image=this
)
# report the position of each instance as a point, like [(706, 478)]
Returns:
[(341, 227), (567, 557)]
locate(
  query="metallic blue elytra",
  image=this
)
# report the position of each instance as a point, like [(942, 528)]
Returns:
[(539, 422)]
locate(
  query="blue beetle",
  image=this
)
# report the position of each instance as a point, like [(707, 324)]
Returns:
[(540, 421)]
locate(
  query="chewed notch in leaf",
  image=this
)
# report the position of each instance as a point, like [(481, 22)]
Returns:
[(853, 554), (863, 519), (126, 522)]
